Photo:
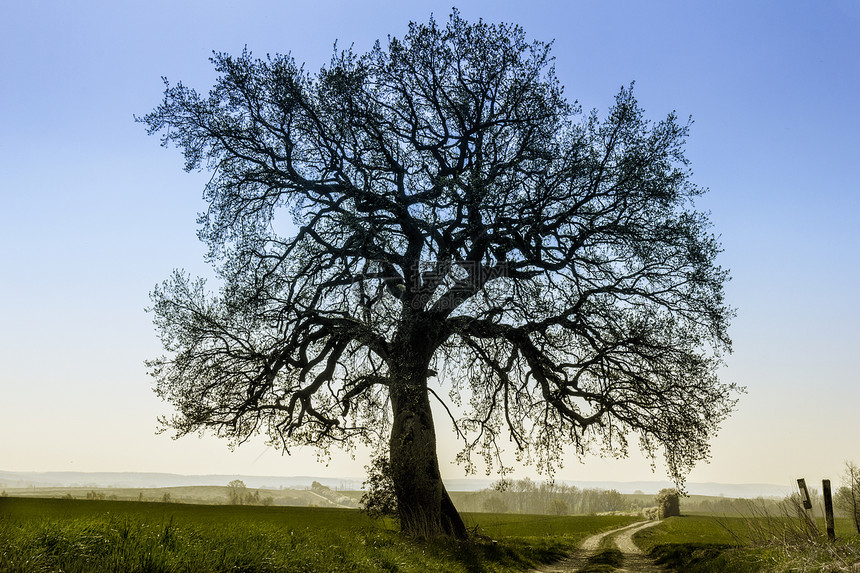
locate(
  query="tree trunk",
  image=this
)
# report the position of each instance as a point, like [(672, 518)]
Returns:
[(855, 486), (423, 503)]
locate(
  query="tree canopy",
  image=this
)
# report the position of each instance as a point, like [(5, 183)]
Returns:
[(433, 219)]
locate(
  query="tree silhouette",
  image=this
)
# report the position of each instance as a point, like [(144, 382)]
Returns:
[(456, 223), (237, 492)]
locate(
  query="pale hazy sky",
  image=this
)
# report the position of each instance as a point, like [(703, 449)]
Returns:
[(93, 213)]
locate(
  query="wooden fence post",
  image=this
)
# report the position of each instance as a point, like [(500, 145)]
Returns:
[(807, 506), (828, 509)]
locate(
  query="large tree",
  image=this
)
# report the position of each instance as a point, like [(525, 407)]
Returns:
[(457, 224)]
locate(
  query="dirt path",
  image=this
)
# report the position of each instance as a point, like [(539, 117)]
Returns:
[(634, 560)]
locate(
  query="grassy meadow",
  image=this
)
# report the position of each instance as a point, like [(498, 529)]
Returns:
[(75, 535), (41, 535), (750, 544)]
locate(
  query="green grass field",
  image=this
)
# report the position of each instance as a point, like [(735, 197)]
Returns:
[(736, 544), (206, 495), (73, 536), (42, 535)]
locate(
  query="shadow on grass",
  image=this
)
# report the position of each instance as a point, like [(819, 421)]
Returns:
[(701, 558), (478, 555), (604, 561)]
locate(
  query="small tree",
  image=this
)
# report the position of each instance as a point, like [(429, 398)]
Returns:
[(559, 507), (615, 501), (668, 502), (848, 496), (237, 492)]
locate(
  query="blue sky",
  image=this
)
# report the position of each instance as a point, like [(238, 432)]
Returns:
[(93, 213)]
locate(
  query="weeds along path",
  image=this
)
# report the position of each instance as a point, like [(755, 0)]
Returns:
[(627, 558)]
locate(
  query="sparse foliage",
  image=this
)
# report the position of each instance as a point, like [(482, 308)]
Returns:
[(847, 497), (455, 221), (379, 499)]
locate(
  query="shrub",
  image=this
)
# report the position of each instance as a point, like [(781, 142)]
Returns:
[(668, 502), (379, 499), (651, 512)]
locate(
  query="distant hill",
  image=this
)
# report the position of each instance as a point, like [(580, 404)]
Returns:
[(152, 480), (148, 480)]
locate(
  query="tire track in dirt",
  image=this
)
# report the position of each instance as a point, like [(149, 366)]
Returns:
[(635, 561)]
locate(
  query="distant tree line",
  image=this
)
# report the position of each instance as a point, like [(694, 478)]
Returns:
[(527, 496)]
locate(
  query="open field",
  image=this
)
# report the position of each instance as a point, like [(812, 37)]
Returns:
[(591, 501), (208, 495), (82, 535), (41, 535)]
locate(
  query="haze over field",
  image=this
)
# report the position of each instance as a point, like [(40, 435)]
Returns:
[(159, 480), (94, 213)]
